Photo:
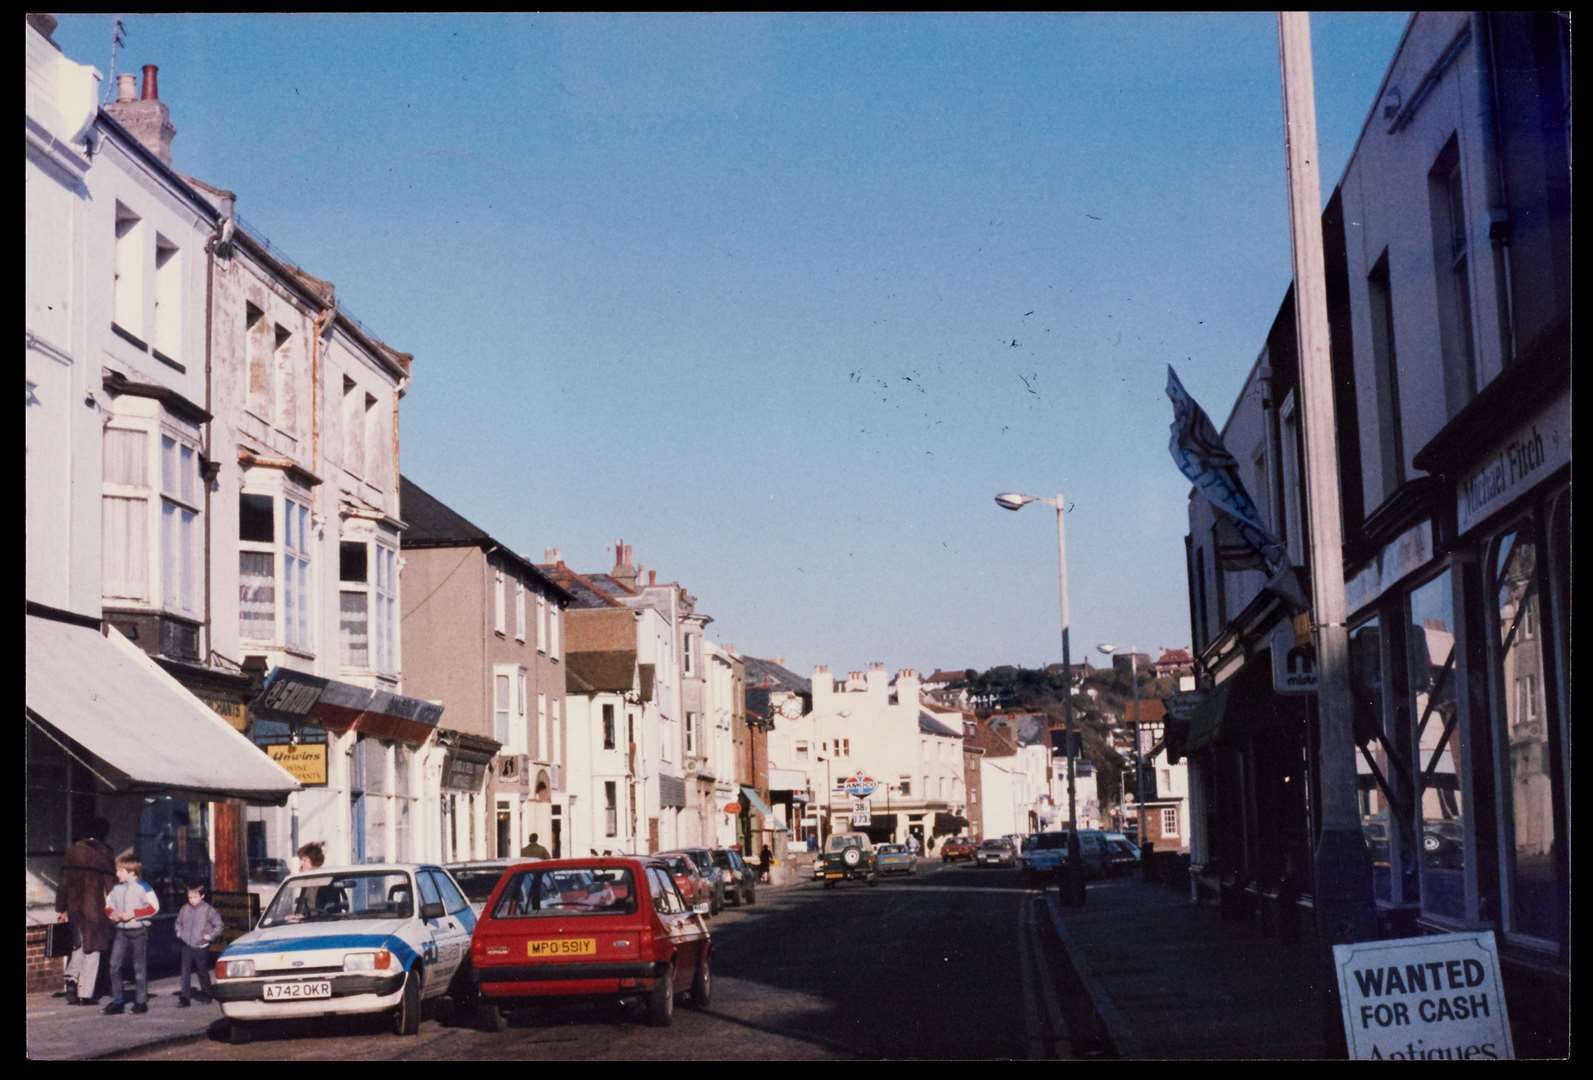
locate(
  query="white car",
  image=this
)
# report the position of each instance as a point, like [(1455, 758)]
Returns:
[(346, 940), (477, 879)]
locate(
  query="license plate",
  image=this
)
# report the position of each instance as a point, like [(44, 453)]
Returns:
[(562, 947), (837, 877), (298, 991)]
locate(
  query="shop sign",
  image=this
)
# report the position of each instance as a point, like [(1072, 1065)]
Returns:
[(1532, 452), (1429, 998), (858, 785), (305, 762), (288, 695), (232, 712), (1409, 552), (239, 912), (1182, 706), (1293, 666)]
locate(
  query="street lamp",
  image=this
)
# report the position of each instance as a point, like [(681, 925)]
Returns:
[(1139, 771), (1011, 500), (829, 794)]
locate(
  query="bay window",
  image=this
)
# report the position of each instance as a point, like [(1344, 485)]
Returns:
[(125, 513), (180, 484), (368, 605)]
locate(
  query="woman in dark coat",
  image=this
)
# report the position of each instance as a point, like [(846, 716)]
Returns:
[(88, 873)]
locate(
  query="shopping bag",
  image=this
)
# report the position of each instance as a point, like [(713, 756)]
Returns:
[(58, 939)]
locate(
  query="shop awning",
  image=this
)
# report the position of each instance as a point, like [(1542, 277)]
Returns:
[(134, 725), (297, 698), (947, 824), (757, 802)]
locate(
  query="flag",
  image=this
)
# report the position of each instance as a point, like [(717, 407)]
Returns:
[(1243, 541)]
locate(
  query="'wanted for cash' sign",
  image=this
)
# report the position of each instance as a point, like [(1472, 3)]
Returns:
[(1424, 998)]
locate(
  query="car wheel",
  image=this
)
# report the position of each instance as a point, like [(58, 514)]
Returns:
[(702, 985), (239, 1032), (661, 1001), (489, 1017), (406, 1018)]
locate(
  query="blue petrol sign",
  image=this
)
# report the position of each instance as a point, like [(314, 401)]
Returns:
[(1437, 997), (858, 785)]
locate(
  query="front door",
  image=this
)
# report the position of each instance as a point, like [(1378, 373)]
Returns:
[(505, 848)]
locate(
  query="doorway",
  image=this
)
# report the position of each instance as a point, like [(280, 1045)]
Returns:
[(505, 832)]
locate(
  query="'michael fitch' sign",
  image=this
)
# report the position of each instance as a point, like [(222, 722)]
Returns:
[(1531, 453), (1426, 998)]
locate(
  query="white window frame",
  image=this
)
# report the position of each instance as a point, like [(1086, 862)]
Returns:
[(1170, 814), (288, 564), (386, 615), (519, 611), (553, 630), (542, 726), (503, 725), (499, 624), (691, 733), (801, 749), (128, 277), (166, 318), (542, 623), (556, 730), (124, 586), (183, 498)]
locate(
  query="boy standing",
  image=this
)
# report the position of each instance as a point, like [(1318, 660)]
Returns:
[(198, 924), (131, 906)]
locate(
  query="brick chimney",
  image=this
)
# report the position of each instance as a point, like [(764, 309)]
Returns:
[(624, 571), (146, 119), (552, 556)]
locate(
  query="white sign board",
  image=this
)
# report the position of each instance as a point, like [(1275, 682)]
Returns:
[(861, 819), (1293, 666), (1425, 998)]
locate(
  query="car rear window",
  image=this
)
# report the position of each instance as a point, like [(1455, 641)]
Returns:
[(722, 858), (478, 884), (533, 893)]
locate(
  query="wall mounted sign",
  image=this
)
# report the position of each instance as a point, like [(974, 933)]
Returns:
[(1437, 997), (858, 784), (305, 762), (1530, 453), (1293, 666)]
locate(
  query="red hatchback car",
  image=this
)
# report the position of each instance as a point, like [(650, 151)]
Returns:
[(579, 928), (958, 847)]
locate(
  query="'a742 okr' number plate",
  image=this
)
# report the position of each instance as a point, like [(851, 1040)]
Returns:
[(297, 991)]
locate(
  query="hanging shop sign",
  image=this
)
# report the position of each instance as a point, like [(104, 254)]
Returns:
[(1437, 997), (1293, 666), (305, 762), (858, 785), (861, 819), (1530, 453)]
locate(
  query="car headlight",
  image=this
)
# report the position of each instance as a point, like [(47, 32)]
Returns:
[(380, 960), (234, 969)]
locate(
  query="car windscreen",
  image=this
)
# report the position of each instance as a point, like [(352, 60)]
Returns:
[(1048, 841), (993, 845), (477, 885), (332, 897), (536, 892), (704, 862), (722, 858), (841, 843)]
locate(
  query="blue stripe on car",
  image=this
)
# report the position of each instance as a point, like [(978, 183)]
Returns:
[(348, 942)]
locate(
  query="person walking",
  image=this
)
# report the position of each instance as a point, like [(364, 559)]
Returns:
[(766, 861), (131, 905), (88, 873), (534, 850), (198, 924)]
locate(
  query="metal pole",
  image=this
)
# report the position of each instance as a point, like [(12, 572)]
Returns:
[(1076, 867), (1343, 885), (1139, 749)]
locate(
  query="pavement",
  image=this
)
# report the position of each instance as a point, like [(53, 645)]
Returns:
[(1169, 979)]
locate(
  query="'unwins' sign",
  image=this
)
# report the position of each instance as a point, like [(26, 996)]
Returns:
[(1425, 998)]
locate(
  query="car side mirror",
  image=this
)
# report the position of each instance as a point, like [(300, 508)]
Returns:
[(433, 910)]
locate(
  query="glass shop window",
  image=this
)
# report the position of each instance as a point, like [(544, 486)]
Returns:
[(1430, 641)]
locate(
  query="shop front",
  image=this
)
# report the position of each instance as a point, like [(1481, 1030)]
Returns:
[(112, 734)]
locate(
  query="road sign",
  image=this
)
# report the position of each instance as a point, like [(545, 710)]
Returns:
[(861, 819)]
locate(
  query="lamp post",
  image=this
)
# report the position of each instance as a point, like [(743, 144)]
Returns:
[(829, 794), (1139, 755), (1011, 500)]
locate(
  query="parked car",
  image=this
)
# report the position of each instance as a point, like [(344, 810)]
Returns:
[(741, 880), (958, 847), (345, 940), (997, 851), (476, 879), (849, 857), (1122, 854), (614, 927), (1044, 852), (1443, 843), (896, 859), (711, 872), (264, 877), (694, 888)]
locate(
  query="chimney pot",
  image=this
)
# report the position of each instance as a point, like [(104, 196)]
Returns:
[(652, 577), (124, 87), (151, 89)]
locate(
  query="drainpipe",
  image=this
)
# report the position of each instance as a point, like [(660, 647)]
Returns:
[(1273, 451), (1493, 182), (319, 327)]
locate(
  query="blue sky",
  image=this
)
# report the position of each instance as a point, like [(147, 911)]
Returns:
[(784, 300)]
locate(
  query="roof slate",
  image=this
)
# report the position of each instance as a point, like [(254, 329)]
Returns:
[(603, 671), (767, 673), (432, 523), (928, 725)]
